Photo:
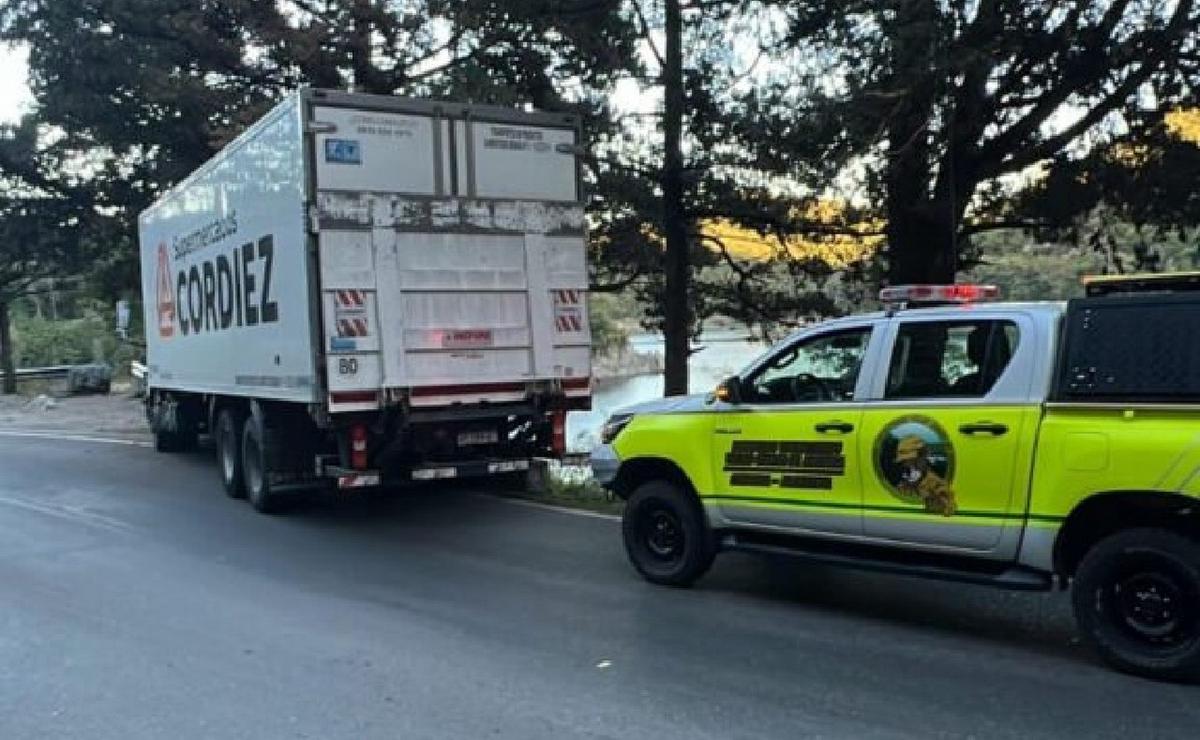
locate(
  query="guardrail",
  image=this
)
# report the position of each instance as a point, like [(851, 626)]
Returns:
[(39, 373)]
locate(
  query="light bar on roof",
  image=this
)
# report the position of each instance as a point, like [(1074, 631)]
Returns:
[(955, 293)]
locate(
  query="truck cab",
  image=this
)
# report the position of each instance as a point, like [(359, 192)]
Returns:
[(971, 440)]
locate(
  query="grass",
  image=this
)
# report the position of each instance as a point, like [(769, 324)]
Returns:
[(571, 487), (580, 495)]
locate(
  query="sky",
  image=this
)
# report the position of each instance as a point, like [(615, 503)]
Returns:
[(14, 94)]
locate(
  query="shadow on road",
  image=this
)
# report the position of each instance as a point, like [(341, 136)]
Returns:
[(1036, 621), (1032, 621)]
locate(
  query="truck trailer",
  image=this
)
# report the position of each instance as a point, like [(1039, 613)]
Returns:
[(365, 289)]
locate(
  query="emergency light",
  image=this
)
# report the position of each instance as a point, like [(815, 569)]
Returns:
[(955, 293)]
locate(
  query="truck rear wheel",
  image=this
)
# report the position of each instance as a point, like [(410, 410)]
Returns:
[(173, 422), (258, 455), (1137, 602), (229, 452), (667, 537), (181, 441)]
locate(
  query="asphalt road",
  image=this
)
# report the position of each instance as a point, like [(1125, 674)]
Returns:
[(136, 601)]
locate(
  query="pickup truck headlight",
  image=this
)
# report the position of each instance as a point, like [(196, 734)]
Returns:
[(613, 427)]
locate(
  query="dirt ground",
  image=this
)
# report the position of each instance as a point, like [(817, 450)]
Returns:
[(118, 413)]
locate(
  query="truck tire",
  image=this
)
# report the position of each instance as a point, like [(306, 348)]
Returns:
[(667, 537), (228, 434), (259, 453), (181, 441), (183, 437), (1137, 603)]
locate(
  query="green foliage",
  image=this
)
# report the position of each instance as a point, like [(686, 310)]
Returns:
[(1143, 180), (40, 210), (578, 490), (42, 342), (608, 335), (934, 104), (1026, 270)]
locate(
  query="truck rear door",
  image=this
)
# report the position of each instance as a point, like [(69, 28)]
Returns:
[(452, 257)]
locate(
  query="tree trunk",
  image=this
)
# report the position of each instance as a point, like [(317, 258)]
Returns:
[(7, 356), (921, 245), (675, 302), (920, 232)]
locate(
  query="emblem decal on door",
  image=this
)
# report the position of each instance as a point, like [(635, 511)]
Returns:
[(915, 463), (787, 464)]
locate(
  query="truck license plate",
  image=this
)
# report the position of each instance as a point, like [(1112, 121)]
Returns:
[(482, 437)]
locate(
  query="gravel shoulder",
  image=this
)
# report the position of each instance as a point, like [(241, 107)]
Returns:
[(116, 414)]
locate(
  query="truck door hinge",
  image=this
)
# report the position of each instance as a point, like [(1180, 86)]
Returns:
[(314, 220)]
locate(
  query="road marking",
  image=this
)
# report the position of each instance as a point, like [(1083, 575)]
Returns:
[(79, 516), (557, 509), (74, 438)]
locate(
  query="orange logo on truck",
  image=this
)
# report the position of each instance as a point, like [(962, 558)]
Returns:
[(166, 295)]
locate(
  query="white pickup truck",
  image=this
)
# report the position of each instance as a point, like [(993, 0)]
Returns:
[(364, 287)]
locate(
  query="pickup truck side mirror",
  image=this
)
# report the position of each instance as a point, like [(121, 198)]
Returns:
[(729, 390)]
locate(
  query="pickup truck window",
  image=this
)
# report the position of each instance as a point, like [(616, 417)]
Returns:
[(814, 370), (950, 359)]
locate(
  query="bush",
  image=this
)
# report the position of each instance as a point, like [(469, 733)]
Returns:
[(607, 333), (40, 342)]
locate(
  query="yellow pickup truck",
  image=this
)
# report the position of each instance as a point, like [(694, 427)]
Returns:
[(1021, 445)]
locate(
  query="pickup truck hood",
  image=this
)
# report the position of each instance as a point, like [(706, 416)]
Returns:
[(672, 404)]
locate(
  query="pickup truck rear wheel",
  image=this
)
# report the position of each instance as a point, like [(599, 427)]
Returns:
[(1137, 602), (667, 537), (229, 452), (258, 456)]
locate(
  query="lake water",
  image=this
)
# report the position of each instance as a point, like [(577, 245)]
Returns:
[(723, 353)]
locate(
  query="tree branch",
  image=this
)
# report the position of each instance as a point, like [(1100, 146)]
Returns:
[(784, 226), (980, 227), (644, 29)]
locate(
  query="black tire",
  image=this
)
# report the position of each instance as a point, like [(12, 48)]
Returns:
[(165, 442), (228, 437), (184, 441), (258, 455), (515, 482), (1137, 602), (667, 537)]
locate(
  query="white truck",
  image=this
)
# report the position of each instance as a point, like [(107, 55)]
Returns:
[(362, 289)]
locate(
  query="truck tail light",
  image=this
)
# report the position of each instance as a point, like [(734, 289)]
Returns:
[(558, 428), (358, 446)]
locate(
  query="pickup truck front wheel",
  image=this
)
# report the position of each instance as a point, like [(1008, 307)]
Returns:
[(667, 537), (1137, 602)]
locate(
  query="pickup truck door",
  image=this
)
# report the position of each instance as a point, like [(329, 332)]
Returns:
[(787, 455), (947, 441)]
